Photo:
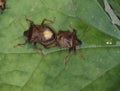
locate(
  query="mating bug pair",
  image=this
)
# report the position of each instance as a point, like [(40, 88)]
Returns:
[(46, 36)]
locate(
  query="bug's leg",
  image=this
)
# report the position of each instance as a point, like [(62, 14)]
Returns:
[(81, 55), (51, 21), (50, 46), (31, 22), (74, 48), (67, 56), (21, 44), (74, 30), (35, 46)]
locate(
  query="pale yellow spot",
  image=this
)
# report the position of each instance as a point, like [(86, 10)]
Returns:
[(47, 34)]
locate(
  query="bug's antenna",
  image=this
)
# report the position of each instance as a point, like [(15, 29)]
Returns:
[(74, 30), (28, 20), (84, 32), (81, 55)]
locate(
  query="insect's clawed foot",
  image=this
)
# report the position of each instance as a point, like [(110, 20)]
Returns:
[(19, 45)]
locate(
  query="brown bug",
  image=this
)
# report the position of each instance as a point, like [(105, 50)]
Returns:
[(68, 39), (2, 5), (42, 34)]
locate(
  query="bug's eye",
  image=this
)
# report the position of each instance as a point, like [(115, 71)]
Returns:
[(61, 38)]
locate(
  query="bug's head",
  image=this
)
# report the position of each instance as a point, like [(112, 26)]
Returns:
[(78, 42), (31, 23), (25, 33)]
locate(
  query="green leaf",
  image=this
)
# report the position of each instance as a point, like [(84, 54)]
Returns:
[(115, 5), (26, 69), (108, 82)]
